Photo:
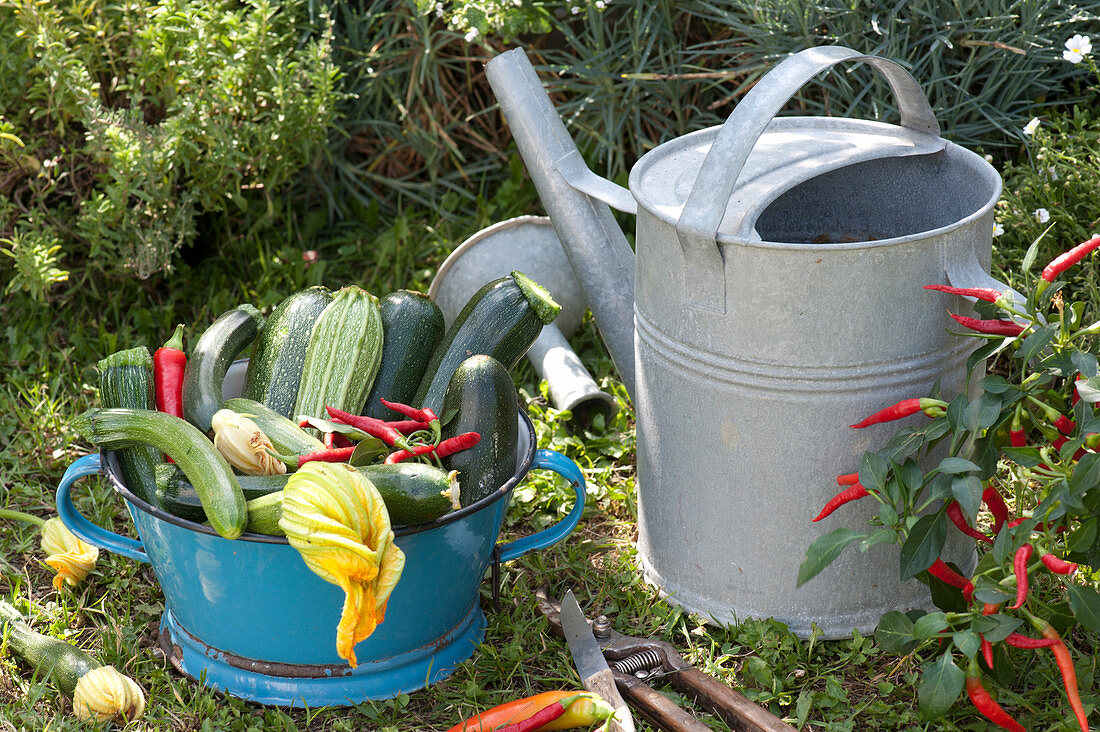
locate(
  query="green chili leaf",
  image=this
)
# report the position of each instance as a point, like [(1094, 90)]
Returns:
[(995, 384), (1025, 457), (984, 624), (986, 590), (1083, 538), (929, 626), (1089, 389), (956, 465), (967, 641), (923, 545), (1036, 341), (1004, 625), (881, 536), (939, 487), (940, 685), (983, 412), (1085, 363), (1086, 475), (1085, 603), (894, 633), (823, 551), (945, 597), (967, 490), (956, 412), (872, 471)]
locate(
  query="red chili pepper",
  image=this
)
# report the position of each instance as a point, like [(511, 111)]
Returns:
[(990, 608), (997, 506), (847, 479), (329, 440), (169, 363), (1058, 566), (904, 408), (373, 427), (457, 443), (985, 703), (1065, 425), (424, 415), (992, 327), (542, 717), (1019, 640), (942, 572), (408, 426), (1019, 568), (981, 293), (851, 493), (1061, 440), (1064, 261), (335, 455), (1069, 673), (1017, 435), (954, 512), (405, 454)]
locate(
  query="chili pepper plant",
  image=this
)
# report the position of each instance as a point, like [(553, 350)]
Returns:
[(1026, 432)]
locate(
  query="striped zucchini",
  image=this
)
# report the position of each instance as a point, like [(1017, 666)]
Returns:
[(345, 349), (279, 354), (193, 452), (126, 380)]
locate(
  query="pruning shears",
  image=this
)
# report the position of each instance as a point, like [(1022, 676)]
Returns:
[(635, 661)]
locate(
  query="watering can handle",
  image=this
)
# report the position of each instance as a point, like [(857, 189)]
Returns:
[(706, 205), (568, 469), (83, 528)]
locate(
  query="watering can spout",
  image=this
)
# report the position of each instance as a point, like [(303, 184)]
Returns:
[(577, 201)]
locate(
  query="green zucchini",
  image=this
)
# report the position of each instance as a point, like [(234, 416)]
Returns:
[(412, 325), (178, 497), (126, 380), (501, 320), (50, 658), (343, 356), (481, 397), (286, 436), (264, 513), (229, 334), (413, 492), (279, 354), (192, 451)]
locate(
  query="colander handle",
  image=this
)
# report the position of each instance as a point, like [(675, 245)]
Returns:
[(83, 528), (706, 205), (567, 469)]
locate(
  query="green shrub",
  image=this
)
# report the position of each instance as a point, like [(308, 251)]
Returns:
[(1051, 193), (138, 118)]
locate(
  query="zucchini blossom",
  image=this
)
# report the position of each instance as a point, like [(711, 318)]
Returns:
[(241, 442), (67, 555), (336, 519), (104, 694)]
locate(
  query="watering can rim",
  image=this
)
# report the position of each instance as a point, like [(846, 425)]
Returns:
[(977, 164), (111, 471)]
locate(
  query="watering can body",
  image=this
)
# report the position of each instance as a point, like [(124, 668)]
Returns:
[(776, 298)]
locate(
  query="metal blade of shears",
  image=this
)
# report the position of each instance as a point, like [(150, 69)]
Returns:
[(591, 665)]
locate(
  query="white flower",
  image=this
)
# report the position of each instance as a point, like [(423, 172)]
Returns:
[(575, 9), (600, 4), (1052, 172), (472, 34), (1042, 214), (439, 10), (998, 229), (1030, 127), (1077, 48), (988, 158)]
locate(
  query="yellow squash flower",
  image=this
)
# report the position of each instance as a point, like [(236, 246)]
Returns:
[(70, 557), (103, 694), (241, 442), (336, 519)]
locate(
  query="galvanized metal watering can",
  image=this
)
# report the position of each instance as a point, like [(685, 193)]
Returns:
[(249, 618), (775, 298)]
